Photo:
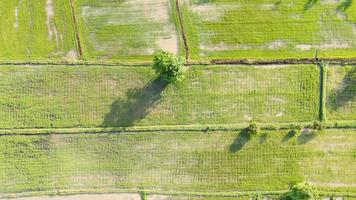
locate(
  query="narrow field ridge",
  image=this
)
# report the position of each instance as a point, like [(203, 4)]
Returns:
[(76, 30)]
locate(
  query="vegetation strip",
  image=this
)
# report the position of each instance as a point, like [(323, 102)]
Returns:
[(171, 193), (179, 128), (342, 61), (76, 30), (297, 61), (323, 74)]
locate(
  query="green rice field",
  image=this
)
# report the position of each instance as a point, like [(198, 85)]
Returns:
[(341, 93), (266, 99), (127, 30), (189, 161), (36, 30), (270, 29), (33, 97)]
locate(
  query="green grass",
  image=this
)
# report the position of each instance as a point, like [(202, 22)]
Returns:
[(269, 29), (126, 30), (32, 97), (183, 161), (341, 93), (25, 28)]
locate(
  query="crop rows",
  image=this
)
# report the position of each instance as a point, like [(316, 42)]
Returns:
[(270, 29), (129, 31), (106, 96), (194, 161), (36, 30), (341, 93), (126, 30)]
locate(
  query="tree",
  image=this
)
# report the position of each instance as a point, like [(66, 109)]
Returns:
[(253, 128), (169, 66), (300, 191)]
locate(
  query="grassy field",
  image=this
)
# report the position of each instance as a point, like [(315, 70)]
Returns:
[(270, 29), (341, 93), (36, 30), (183, 161), (127, 30), (33, 97)]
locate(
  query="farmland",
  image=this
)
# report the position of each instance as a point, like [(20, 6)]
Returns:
[(265, 99), (269, 29), (104, 96), (127, 30), (341, 93), (36, 30), (217, 161)]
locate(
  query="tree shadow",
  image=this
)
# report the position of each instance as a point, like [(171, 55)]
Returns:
[(128, 111), (309, 4), (346, 93), (344, 5), (306, 136), (289, 135), (240, 141), (263, 138)]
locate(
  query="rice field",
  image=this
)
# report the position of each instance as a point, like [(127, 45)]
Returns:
[(36, 30), (81, 110), (341, 93), (182, 161), (269, 29), (127, 30), (34, 97)]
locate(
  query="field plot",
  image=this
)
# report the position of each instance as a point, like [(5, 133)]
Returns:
[(36, 30), (183, 161), (341, 93), (128, 29), (126, 96), (270, 29)]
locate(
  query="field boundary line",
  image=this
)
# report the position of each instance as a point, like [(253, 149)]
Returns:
[(182, 30), (322, 93), (76, 30), (300, 61), (172, 193), (168, 128)]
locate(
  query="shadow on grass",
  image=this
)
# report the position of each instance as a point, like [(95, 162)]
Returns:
[(306, 136), (344, 5), (309, 4), (263, 138), (240, 141), (127, 111), (289, 136), (345, 93)]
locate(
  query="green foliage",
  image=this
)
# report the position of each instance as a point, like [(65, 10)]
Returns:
[(253, 128), (143, 195), (301, 191), (169, 66), (318, 125), (295, 127)]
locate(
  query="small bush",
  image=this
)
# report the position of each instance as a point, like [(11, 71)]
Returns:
[(295, 127), (300, 191), (169, 66), (253, 128), (318, 125)]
